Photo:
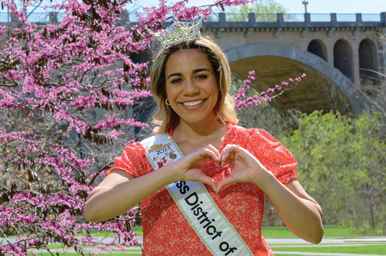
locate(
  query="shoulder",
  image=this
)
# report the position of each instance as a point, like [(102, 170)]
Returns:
[(252, 134), (136, 149)]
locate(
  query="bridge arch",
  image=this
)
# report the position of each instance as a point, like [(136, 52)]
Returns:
[(367, 59), (286, 61), (343, 58), (318, 48)]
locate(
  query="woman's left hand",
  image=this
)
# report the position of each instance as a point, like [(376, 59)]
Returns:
[(245, 167)]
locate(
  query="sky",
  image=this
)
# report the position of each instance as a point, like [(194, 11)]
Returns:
[(314, 6), (292, 6)]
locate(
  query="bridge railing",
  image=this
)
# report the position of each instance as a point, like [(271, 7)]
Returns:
[(44, 17), (296, 17)]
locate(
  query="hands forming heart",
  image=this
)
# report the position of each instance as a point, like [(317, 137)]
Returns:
[(245, 167)]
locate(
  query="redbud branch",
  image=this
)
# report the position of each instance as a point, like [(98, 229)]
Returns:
[(34, 9), (106, 167), (5, 235)]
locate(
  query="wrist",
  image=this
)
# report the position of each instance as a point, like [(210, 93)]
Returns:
[(171, 173), (264, 180)]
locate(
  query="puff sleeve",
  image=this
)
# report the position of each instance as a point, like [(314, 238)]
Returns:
[(273, 155), (131, 161)]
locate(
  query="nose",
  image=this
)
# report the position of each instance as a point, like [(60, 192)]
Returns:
[(190, 88)]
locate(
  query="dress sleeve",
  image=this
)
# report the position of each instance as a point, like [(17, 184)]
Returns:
[(273, 155), (131, 161)]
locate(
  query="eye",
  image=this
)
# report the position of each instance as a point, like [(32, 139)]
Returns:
[(176, 80), (201, 76)]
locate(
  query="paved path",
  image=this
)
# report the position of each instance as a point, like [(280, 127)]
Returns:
[(282, 240), (319, 245), (325, 254), (271, 242), (325, 240)]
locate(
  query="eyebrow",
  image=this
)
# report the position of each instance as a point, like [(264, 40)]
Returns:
[(194, 72)]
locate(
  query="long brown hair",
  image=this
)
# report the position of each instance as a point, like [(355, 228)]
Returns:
[(165, 115)]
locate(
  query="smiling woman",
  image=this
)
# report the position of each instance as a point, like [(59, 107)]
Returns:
[(198, 142), (191, 86)]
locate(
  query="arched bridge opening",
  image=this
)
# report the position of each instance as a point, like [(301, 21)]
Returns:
[(318, 48), (324, 87), (343, 58), (368, 61)]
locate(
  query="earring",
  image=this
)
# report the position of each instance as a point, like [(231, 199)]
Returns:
[(167, 102)]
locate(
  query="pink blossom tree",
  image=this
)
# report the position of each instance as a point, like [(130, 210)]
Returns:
[(67, 93)]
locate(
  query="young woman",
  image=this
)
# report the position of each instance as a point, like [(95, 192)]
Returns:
[(239, 166)]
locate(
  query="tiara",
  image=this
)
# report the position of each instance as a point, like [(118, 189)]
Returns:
[(178, 32)]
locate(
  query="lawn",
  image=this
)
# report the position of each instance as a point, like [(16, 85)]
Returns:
[(379, 249), (282, 232), (137, 230), (281, 249), (329, 232), (73, 254)]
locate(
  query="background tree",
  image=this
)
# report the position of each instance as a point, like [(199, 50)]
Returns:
[(67, 93), (265, 11), (341, 164)]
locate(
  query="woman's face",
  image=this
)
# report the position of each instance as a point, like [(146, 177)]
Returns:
[(191, 86)]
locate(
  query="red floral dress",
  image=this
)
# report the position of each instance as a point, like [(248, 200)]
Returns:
[(165, 230)]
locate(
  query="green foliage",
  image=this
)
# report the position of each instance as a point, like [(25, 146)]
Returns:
[(341, 163), (262, 6), (265, 11)]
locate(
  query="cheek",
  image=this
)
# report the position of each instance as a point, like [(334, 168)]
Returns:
[(168, 91)]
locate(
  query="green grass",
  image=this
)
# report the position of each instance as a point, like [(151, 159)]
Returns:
[(268, 232), (329, 232), (324, 244), (379, 249), (137, 230), (60, 246), (366, 249), (73, 254)]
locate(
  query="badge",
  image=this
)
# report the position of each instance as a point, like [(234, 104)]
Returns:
[(172, 156)]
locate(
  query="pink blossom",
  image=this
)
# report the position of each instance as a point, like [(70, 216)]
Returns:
[(62, 75)]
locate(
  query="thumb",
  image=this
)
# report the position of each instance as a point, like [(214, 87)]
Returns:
[(209, 181), (224, 182)]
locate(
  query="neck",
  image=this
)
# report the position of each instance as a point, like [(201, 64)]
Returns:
[(198, 134), (204, 128)]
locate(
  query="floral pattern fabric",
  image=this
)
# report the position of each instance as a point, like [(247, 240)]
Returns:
[(165, 229)]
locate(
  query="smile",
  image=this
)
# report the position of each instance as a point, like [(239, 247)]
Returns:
[(193, 103)]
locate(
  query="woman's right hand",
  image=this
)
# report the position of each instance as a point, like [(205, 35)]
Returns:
[(188, 168)]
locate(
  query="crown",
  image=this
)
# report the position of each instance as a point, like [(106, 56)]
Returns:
[(178, 32)]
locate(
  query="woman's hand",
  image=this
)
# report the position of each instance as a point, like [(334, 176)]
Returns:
[(300, 212), (188, 168), (245, 167)]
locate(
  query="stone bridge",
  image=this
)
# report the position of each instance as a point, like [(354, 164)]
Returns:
[(336, 56), (336, 51)]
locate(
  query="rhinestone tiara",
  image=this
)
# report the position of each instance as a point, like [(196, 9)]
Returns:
[(178, 32)]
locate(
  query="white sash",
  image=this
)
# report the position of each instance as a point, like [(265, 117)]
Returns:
[(195, 202)]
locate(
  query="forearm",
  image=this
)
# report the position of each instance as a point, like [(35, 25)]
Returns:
[(303, 217), (105, 203)]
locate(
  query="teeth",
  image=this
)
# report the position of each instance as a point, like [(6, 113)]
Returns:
[(193, 103)]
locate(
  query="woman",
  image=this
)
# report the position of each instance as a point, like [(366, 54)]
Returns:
[(239, 166)]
